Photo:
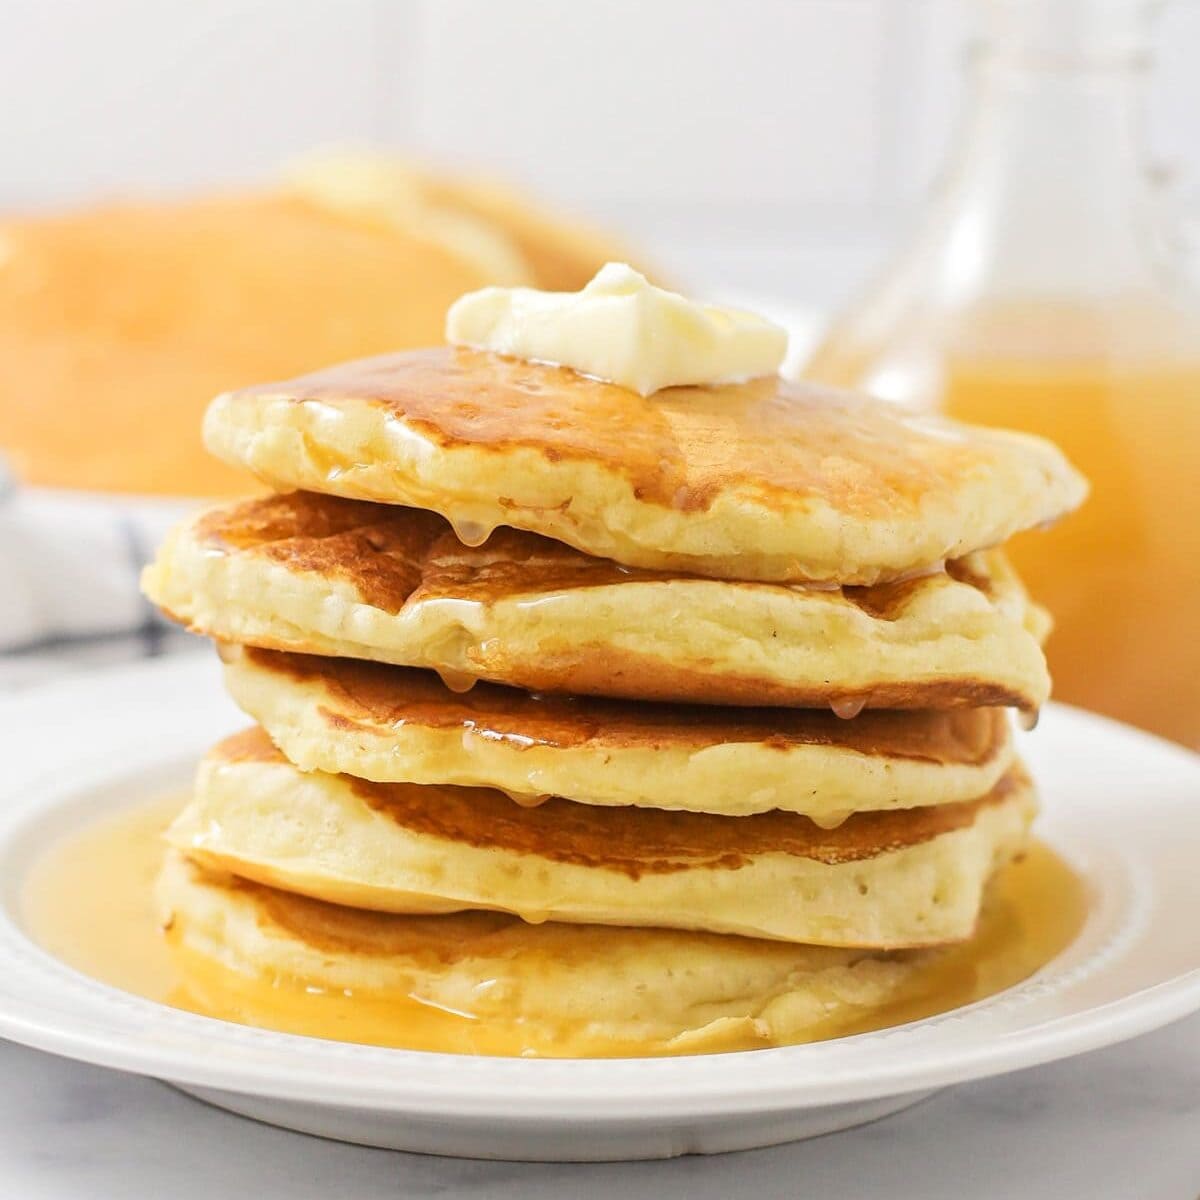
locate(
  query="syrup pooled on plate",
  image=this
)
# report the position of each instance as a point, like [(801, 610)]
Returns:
[(89, 902)]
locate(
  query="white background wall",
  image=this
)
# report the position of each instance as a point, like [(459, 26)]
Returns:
[(773, 145)]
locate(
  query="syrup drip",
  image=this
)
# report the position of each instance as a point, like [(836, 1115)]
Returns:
[(472, 533), (831, 820), (458, 682), (528, 799), (848, 708)]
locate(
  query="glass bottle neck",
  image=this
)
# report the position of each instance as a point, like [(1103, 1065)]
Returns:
[(1068, 34), (1050, 179), (1071, 130)]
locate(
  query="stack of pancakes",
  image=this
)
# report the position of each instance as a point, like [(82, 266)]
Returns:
[(639, 724)]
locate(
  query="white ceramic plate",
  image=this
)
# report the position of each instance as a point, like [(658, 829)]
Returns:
[(1122, 806)]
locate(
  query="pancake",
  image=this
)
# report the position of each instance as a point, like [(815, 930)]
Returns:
[(398, 725), (519, 987), (766, 480), (560, 254), (883, 880), (321, 575), (120, 322)]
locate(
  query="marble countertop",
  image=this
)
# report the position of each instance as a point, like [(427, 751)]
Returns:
[(1120, 1124)]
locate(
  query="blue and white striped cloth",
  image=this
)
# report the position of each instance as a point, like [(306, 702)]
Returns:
[(69, 567)]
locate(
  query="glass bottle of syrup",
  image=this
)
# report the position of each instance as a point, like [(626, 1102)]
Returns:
[(1040, 293)]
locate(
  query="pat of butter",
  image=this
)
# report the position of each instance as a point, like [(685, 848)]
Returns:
[(621, 329)]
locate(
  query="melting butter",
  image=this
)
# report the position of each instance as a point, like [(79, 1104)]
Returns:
[(621, 329)]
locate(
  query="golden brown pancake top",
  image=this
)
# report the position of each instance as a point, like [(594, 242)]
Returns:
[(784, 443), (382, 552), (635, 841), (452, 937), (370, 695), (339, 929)]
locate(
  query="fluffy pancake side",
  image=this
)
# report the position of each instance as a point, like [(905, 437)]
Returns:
[(398, 725), (599, 990), (886, 880), (765, 480), (322, 575)]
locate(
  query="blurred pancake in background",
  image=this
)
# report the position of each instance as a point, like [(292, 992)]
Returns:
[(560, 254), (119, 322)]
